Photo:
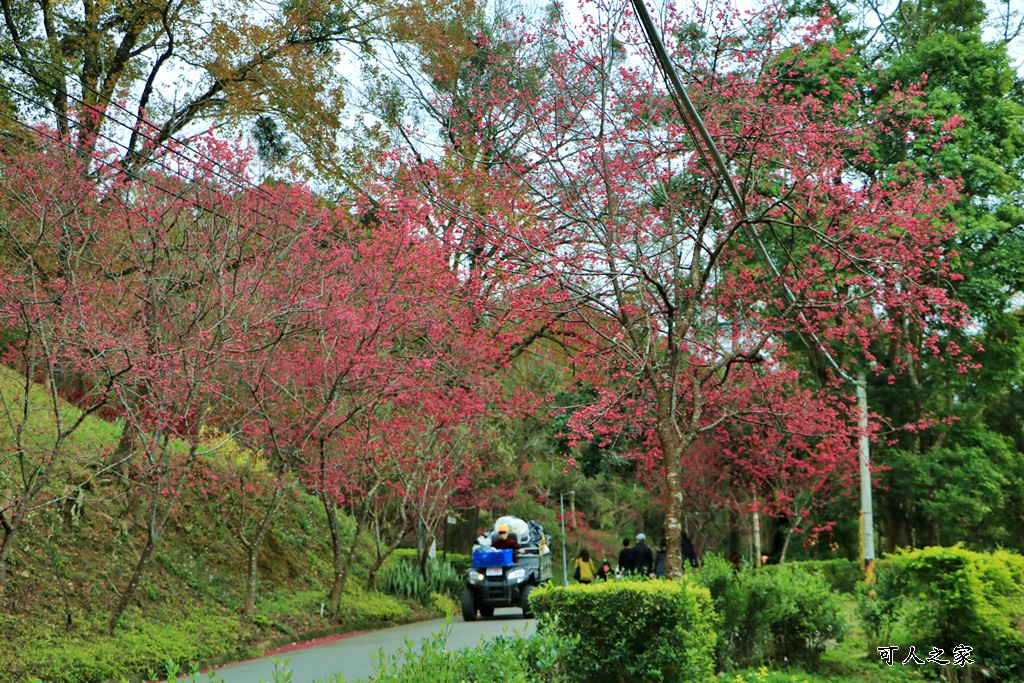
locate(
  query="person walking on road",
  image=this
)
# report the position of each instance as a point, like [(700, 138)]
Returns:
[(583, 569), (643, 557), (659, 561), (625, 559)]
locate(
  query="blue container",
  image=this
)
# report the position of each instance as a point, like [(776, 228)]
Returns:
[(492, 558)]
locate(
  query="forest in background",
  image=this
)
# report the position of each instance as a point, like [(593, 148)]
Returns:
[(479, 263)]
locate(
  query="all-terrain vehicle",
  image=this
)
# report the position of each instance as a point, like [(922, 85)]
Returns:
[(498, 578)]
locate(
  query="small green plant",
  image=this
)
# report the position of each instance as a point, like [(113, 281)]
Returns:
[(881, 606), (539, 658), (445, 605), (281, 673), (784, 615), (403, 579)]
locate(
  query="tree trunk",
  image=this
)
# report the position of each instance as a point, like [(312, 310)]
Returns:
[(253, 550), (673, 513), (428, 539), (897, 525), (10, 530), (779, 539), (673, 447), (342, 563), (133, 585), (933, 531), (371, 577), (251, 578), (756, 536), (785, 545), (126, 444), (735, 551)]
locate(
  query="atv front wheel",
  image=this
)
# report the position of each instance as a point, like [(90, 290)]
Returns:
[(524, 599), (468, 608)]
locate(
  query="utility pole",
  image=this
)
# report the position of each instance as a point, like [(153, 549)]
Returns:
[(867, 517), (689, 115), (565, 561)]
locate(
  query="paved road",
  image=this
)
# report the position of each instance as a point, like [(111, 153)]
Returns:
[(350, 656)]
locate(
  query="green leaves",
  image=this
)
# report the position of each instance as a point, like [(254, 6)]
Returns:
[(627, 630), (774, 614), (963, 597)]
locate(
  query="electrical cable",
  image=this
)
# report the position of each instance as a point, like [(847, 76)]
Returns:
[(686, 110)]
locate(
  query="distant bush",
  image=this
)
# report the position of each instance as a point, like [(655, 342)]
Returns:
[(459, 562), (967, 598), (842, 575), (632, 630), (783, 614)]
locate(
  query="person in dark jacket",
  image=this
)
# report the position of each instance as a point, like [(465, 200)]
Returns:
[(659, 561), (605, 570), (689, 554), (625, 558), (643, 557)]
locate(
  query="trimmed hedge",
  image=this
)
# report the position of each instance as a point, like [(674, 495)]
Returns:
[(632, 630), (459, 561), (960, 597), (362, 608)]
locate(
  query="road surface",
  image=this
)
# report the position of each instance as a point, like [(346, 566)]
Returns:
[(351, 656)]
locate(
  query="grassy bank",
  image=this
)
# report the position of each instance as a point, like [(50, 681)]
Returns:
[(74, 555)]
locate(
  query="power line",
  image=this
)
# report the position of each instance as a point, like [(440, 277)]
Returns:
[(860, 382)]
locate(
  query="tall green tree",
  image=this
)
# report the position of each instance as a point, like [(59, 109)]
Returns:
[(138, 75), (952, 465)]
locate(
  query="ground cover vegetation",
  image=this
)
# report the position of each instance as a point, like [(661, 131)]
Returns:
[(514, 274), (774, 624)]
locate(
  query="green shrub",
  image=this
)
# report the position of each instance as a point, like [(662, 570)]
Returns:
[(445, 605), (140, 647), (785, 614), (881, 606), (402, 578), (642, 630), (459, 562), (362, 608), (539, 658), (842, 575), (968, 598)]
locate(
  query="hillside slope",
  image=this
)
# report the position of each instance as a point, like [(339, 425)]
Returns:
[(73, 555)]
